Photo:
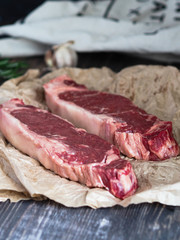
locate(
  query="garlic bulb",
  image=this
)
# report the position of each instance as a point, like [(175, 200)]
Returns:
[(61, 56)]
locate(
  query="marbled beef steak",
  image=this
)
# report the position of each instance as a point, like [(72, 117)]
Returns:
[(112, 117), (68, 151)]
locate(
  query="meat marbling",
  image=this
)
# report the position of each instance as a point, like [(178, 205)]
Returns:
[(68, 151), (112, 117)]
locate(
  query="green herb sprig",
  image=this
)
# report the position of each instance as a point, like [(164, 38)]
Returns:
[(10, 69)]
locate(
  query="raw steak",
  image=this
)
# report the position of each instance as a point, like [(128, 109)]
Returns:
[(112, 117), (68, 151)]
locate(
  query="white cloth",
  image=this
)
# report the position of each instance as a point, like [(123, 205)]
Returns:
[(144, 27)]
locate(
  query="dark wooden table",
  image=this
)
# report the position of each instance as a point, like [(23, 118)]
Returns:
[(31, 220)]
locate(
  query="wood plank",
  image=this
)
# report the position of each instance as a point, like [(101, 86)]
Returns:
[(49, 220)]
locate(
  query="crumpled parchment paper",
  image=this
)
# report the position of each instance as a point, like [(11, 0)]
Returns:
[(156, 89)]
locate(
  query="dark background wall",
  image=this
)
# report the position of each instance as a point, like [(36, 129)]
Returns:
[(12, 10)]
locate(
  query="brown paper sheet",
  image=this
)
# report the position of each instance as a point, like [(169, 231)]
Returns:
[(9, 189), (154, 88)]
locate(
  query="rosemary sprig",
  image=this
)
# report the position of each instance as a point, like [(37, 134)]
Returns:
[(10, 69)]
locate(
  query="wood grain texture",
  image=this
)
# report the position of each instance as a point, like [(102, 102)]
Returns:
[(49, 220), (30, 220)]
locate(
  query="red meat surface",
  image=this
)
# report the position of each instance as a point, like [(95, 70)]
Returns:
[(114, 118), (68, 151)]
